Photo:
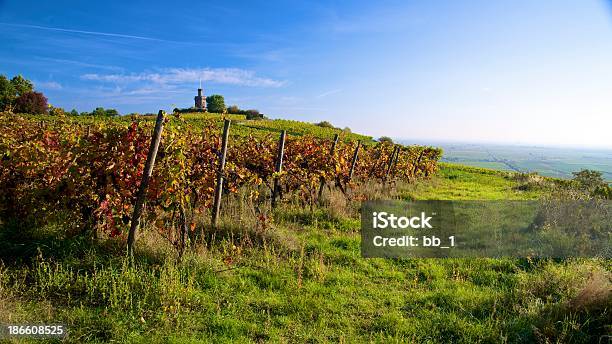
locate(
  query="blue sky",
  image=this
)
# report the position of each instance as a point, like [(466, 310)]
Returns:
[(528, 72)]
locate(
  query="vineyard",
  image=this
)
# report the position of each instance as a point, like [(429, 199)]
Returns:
[(289, 273), (89, 175), (199, 121)]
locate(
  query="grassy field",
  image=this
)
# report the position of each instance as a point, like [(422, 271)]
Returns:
[(300, 278), (458, 182)]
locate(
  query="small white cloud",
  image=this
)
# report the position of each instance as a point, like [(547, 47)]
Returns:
[(328, 93), (48, 85), (232, 76)]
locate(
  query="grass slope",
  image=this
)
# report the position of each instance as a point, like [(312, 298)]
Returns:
[(303, 280), (457, 182)]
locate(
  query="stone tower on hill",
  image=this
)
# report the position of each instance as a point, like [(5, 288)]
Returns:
[(200, 100)]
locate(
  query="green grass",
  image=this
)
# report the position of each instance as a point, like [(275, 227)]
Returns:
[(490, 165), (302, 280), (457, 182)]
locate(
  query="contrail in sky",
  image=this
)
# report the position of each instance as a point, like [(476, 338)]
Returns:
[(96, 33)]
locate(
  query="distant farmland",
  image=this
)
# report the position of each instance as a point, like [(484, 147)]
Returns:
[(548, 161)]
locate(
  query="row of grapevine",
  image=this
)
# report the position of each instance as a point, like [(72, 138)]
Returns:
[(90, 175)]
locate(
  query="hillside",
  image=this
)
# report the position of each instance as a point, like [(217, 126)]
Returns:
[(295, 274), (240, 125), (306, 283)]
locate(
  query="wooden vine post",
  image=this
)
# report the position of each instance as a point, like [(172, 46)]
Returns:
[(144, 183), (350, 176), (394, 167), (418, 161), (279, 166), (219, 186), (334, 144), (375, 165), (391, 159), (331, 153)]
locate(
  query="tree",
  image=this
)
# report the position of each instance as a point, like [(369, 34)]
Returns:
[(253, 114), (385, 139), (11, 90), (56, 111), (215, 103), (102, 112), (234, 109), (592, 182), (589, 179), (74, 112), (31, 102), (7, 94), (21, 85), (324, 124), (99, 111), (111, 113)]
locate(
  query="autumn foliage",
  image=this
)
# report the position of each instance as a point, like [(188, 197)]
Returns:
[(90, 176), (31, 102)]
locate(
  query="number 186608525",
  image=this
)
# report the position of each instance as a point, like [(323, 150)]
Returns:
[(33, 330)]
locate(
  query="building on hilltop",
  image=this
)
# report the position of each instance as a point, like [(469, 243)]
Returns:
[(200, 100)]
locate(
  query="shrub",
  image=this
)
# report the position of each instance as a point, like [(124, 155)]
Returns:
[(588, 179), (234, 110), (385, 139), (111, 112), (325, 124), (100, 111), (187, 110), (253, 114), (250, 114), (31, 102), (56, 111), (604, 191)]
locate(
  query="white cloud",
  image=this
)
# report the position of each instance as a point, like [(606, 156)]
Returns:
[(328, 93), (232, 76), (48, 85)]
